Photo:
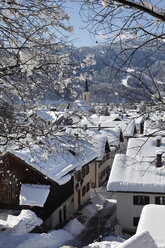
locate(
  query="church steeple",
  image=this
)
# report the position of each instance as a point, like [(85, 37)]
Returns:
[(86, 94)]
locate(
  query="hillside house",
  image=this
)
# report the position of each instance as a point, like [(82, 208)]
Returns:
[(41, 118), (25, 187), (138, 178), (105, 143), (82, 185), (42, 181)]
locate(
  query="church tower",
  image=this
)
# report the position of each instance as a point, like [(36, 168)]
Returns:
[(86, 94)]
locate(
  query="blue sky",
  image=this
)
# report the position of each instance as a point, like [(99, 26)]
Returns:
[(81, 35)]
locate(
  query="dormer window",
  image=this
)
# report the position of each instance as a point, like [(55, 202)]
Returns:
[(78, 176), (72, 152)]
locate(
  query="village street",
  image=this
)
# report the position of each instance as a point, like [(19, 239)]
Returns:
[(101, 223)]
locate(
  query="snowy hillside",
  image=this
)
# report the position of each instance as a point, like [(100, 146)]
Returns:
[(109, 84)]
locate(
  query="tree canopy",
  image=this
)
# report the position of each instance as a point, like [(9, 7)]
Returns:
[(36, 58), (134, 25)]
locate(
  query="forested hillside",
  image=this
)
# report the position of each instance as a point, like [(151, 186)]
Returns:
[(114, 81)]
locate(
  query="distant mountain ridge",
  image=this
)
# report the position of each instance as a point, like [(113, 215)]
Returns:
[(106, 83), (115, 86)]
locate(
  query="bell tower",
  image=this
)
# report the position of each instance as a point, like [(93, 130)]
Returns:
[(86, 94)]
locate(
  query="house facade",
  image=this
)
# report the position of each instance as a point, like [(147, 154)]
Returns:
[(82, 185), (44, 182), (24, 187), (101, 167), (134, 202), (138, 179)]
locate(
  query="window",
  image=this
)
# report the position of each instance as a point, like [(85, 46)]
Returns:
[(60, 216), (107, 169), (102, 173), (64, 212), (141, 200), (78, 176), (87, 169), (107, 156), (83, 172), (83, 191), (104, 159), (160, 200), (100, 163), (136, 221), (87, 187)]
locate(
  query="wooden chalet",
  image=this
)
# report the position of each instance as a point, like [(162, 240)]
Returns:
[(14, 173)]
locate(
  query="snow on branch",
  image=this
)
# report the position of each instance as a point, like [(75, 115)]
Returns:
[(145, 6)]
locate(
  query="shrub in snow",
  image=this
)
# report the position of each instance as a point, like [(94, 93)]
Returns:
[(26, 222)]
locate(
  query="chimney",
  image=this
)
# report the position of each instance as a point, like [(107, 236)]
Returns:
[(159, 158), (141, 127), (158, 141), (99, 127)]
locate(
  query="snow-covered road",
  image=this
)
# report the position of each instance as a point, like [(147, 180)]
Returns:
[(100, 223)]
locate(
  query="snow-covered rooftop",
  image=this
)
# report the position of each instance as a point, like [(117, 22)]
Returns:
[(127, 125), (145, 147), (140, 174), (139, 240), (45, 115), (82, 106), (137, 171), (152, 219), (55, 161), (33, 194), (98, 138), (154, 127)]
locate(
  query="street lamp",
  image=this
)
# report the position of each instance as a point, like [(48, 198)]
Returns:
[(99, 208)]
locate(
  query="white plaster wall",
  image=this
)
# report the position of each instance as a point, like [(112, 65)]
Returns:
[(87, 97), (53, 220), (126, 210)]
